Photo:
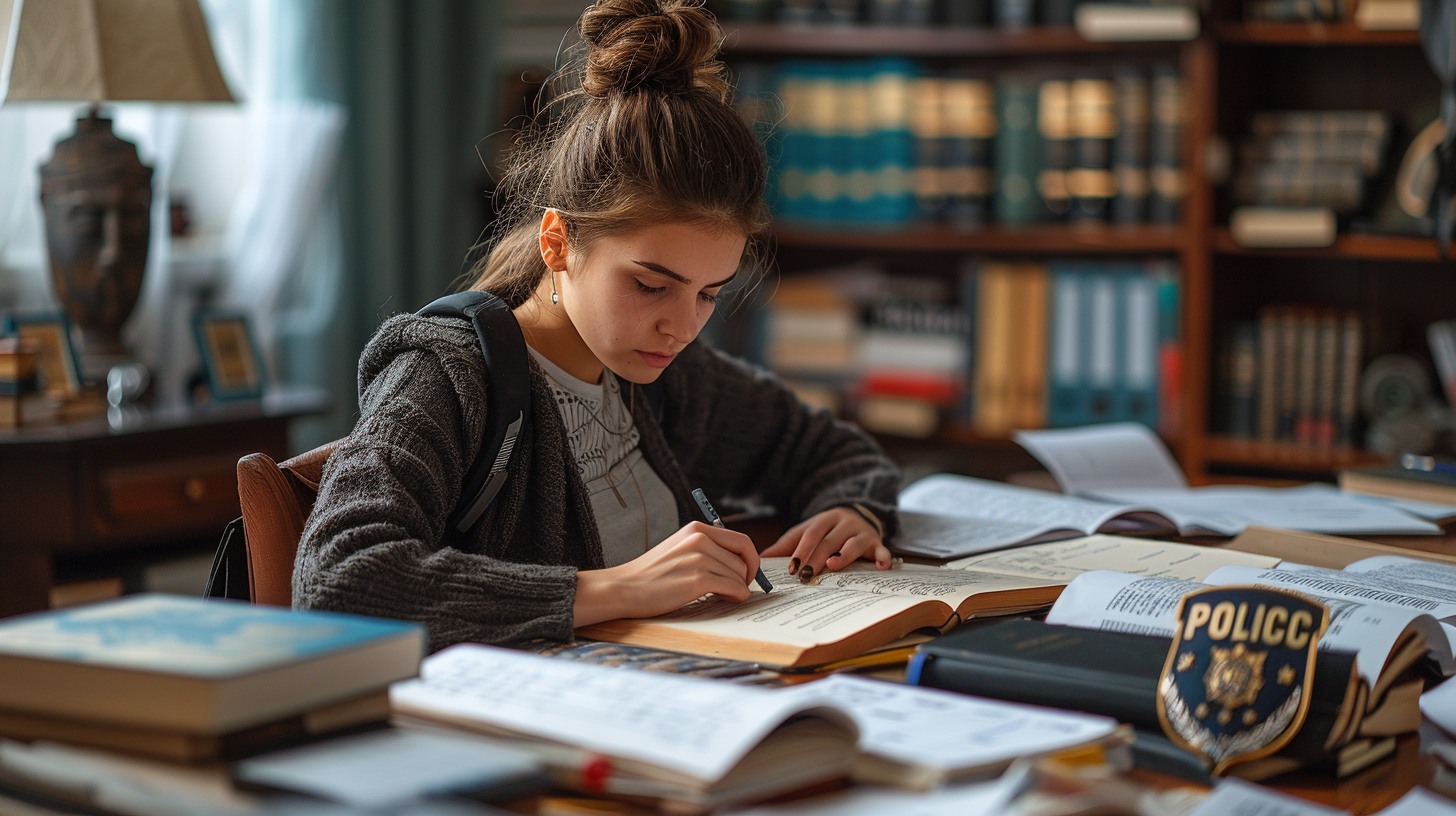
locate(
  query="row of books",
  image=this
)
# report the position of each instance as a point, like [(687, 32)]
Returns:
[(1023, 345), (1293, 376), (1371, 15), (1010, 14), (888, 142), (1312, 158)]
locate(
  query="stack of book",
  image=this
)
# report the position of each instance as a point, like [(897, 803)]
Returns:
[(1293, 377), (1024, 345), (1311, 158), (197, 681), (1006, 14), (17, 378), (1076, 342), (890, 143)]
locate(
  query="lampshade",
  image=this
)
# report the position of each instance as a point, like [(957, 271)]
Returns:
[(94, 50)]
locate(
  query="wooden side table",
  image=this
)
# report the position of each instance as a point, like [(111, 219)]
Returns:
[(159, 477)]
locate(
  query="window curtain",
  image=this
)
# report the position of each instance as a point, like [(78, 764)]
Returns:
[(418, 82)]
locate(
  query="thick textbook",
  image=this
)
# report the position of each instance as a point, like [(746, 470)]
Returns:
[(170, 663), (705, 743), (847, 613), (1116, 674), (175, 746)]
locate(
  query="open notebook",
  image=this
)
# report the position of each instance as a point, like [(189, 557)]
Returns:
[(847, 613), (704, 743)]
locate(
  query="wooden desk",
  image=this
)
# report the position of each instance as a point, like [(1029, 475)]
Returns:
[(155, 478)]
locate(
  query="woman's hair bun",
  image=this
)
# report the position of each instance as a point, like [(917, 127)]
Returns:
[(662, 45)]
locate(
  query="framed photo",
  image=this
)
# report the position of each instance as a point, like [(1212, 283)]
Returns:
[(234, 366), (60, 368)]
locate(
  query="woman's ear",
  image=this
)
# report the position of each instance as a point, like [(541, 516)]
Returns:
[(554, 245)]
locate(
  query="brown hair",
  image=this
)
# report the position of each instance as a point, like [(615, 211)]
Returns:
[(641, 131)]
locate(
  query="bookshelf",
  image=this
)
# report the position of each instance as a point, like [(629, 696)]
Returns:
[(1231, 70)]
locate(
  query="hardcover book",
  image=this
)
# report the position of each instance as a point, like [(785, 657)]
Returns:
[(180, 664)]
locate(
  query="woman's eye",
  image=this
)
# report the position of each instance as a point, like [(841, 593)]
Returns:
[(707, 298), (651, 290)]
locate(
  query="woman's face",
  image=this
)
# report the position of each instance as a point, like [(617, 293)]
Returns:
[(638, 299)]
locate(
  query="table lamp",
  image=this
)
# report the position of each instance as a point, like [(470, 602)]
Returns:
[(95, 191)]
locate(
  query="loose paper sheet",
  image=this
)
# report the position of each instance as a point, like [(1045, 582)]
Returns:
[(1420, 802), (975, 799), (698, 728), (1314, 508), (1113, 455), (1235, 797), (945, 516), (941, 729), (1065, 560)]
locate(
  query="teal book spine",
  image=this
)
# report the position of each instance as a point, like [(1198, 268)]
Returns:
[(790, 171), (1017, 151), (1102, 341), (893, 156), (1139, 385), (1066, 365), (858, 187)]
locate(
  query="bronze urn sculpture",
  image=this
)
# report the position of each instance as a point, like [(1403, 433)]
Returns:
[(97, 197)]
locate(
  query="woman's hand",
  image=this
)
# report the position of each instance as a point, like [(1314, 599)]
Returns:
[(695, 561), (831, 540)]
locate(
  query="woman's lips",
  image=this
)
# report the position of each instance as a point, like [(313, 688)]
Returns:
[(656, 360)]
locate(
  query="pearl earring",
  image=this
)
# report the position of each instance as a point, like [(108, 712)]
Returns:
[(555, 298)]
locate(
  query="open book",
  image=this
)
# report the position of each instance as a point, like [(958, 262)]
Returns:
[(704, 743), (1387, 610), (1125, 464), (844, 614)]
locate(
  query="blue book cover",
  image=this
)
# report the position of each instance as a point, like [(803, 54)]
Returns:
[(170, 634), (1102, 342), (1067, 389), (893, 162), (1138, 387)]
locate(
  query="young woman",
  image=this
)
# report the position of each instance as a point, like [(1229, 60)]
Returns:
[(636, 198)]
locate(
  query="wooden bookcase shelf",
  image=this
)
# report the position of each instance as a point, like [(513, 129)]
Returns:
[(1233, 70), (910, 41), (1352, 246), (1311, 34), (1044, 239), (1224, 450)]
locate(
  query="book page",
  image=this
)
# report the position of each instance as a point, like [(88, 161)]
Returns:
[(1364, 620), (1377, 586), (1312, 508), (1119, 602), (973, 799), (941, 729), (695, 727), (1064, 560), (945, 516), (835, 607), (1425, 578), (1095, 457), (1235, 796)]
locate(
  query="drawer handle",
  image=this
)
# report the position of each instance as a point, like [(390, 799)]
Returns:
[(194, 489)]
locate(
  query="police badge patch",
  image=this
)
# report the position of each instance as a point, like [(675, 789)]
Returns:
[(1237, 681)]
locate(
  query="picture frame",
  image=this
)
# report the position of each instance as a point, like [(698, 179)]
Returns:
[(59, 364), (229, 354)]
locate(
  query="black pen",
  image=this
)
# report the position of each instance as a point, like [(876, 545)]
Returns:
[(712, 516)]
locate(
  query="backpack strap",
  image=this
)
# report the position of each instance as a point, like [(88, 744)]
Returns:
[(508, 397)]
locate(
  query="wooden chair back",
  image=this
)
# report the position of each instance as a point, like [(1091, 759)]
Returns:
[(276, 500)]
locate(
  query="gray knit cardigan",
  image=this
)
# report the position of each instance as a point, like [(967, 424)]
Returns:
[(372, 545)]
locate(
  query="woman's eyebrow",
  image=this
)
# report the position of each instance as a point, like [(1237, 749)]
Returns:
[(659, 268)]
